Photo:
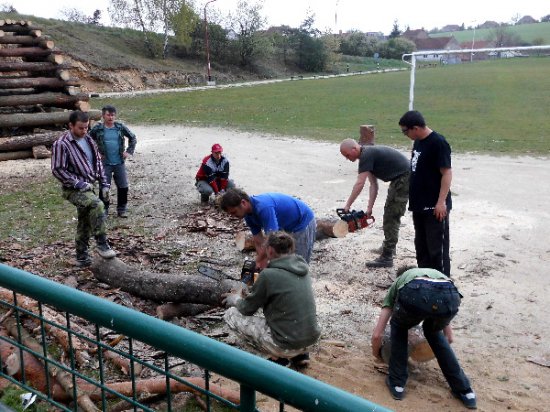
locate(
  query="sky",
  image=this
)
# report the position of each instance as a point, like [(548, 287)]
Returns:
[(336, 15)]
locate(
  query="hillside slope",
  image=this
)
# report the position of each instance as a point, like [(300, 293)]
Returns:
[(114, 59)]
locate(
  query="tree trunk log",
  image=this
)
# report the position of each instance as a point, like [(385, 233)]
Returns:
[(47, 82), (158, 385), (244, 242), (28, 41), (28, 141), (30, 66), (35, 377), (161, 287), (23, 154), (41, 152), (173, 310), (325, 228), (26, 52), (17, 28), (13, 92), (39, 119), (46, 99), (418, 346), (331, 228), (80, 348), (367, 134)]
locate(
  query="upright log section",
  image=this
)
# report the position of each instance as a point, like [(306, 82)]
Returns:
[(36, 89)]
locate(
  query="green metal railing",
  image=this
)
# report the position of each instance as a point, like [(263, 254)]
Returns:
[(250, 373)]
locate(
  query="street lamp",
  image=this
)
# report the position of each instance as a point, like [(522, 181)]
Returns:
[(206, 39)]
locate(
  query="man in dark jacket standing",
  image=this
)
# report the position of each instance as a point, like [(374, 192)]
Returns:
[(109, 136), (283, 290)]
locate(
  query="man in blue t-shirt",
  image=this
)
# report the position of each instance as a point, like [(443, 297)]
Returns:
[(110, 138), (269, 212)]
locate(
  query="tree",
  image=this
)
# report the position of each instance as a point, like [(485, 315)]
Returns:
[(136, 14), (154, 16), (7, 8), (183, 22), (395, 48), (245, 22), (311, 52), (395, 30), (354, 44), (503, 36), (545, 19)]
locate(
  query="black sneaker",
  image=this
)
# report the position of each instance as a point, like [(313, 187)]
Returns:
[(123, 214), (280, 361), (105, 251), (205, 199), (468, 398), (397, 392), (300, 361), (382, 261)]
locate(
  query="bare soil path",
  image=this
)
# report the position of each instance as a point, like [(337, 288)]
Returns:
[(499, 247)]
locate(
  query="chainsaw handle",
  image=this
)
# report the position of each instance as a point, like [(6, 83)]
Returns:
[(341, 212)]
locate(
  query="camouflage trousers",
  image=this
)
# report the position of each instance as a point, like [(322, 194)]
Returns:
[(254, 331), (91, 216), (394, 209)]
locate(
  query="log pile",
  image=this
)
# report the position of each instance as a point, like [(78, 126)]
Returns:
[(36, 91)]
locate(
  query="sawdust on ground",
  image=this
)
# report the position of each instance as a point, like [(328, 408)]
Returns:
[(499, 248)]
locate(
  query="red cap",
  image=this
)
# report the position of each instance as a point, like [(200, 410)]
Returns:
[(216, 148)]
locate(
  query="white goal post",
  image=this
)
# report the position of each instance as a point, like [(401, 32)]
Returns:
[(498, 50)]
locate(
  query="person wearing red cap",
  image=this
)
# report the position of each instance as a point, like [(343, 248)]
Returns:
[(213, 174)]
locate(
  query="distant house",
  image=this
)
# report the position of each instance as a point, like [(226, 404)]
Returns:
[(412, 35), (378, 35), (451, 27), (489, 25), (423, 42), (527, 20), (478, 44)]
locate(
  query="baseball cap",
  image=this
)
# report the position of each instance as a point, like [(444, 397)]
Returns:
[(217, 148)]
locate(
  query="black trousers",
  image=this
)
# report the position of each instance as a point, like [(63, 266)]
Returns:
[(431, 241)]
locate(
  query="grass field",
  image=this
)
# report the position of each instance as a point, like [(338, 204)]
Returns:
[(527, 33), (491, 107)]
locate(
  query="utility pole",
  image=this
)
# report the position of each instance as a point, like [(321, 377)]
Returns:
[(209, 77)]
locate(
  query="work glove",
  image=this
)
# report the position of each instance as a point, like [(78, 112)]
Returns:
[(230, 299), (105, 193), (86, 187)]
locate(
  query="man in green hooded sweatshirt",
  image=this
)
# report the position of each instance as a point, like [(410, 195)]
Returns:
[(283, 290)]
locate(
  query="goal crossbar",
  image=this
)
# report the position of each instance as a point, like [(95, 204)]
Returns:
[(413, 55)]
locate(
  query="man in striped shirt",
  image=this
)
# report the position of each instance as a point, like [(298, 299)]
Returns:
[(77, 165)]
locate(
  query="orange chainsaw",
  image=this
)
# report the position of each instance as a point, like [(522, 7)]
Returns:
[(356, 219)]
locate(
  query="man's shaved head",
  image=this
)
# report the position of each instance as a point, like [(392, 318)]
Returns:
[(350, 149)]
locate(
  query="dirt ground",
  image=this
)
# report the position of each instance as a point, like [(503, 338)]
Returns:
[(499, 250)]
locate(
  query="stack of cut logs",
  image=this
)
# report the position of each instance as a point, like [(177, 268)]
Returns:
[(37, 92)]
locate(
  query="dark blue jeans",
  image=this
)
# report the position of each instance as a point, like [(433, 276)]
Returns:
[(435, 303)]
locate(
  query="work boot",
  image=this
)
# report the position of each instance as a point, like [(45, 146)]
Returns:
[(385, 260), (103, 248), (380, 250), (83, 259), (300, 361)]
